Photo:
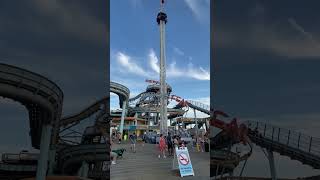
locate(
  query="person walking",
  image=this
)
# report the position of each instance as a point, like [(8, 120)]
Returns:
[(176, 141), (144, 138), (201, 142), (119, 137), (113, 155), (133, 139), (162, 146), (170, 144)]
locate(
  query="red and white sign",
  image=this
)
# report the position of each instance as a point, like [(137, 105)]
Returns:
[(184, 159), (184, 162)]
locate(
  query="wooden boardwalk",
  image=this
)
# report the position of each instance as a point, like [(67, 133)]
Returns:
[(145, 165)]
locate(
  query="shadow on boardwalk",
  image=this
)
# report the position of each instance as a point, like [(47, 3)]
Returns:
[(145, 165)]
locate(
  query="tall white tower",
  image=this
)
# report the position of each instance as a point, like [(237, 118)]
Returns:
[(162, 20)]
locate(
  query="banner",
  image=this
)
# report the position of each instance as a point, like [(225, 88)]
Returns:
[(184, 161)]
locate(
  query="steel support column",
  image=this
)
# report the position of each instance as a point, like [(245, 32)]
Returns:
[(162, 20), (84, 169), (44, 152), (196, 121), (123, 116), (272, 165), (52, 160)]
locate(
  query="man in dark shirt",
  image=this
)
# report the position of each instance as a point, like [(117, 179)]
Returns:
[(133, 139), (170, 144)]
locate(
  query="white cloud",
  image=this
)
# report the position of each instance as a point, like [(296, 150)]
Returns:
[(299, 28), (126, 62), (113, 94), (190, 72), (178, 51), (153, 61), (174, 71), (200, 8), (130, 82), (271, 38), (128, 65)]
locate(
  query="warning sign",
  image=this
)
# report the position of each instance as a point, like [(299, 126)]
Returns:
[(184, 161)]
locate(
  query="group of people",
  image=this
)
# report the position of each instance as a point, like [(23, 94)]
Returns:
[(169, 143), (116, 135), (166, 143), (202, 140)]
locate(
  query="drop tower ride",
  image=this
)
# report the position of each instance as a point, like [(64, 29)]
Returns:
[(162, 21)]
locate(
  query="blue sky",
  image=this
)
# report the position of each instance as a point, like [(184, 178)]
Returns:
[(134, 42)]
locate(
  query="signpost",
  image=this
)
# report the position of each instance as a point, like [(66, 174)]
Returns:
[(184, 162)]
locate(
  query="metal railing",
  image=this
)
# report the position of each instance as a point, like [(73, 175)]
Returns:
[(200, 105), (286, 137)]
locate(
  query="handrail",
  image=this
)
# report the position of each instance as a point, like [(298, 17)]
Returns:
[(204, 107), (287, 137)]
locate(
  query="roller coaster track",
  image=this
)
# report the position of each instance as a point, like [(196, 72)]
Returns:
[(42, 98), (194, 105), (153, 110), (292, 144), (227, 161), (295, 145), (231, 134), (122, 91), (14, 171), (199, 106), (144, 95), (70, 158), (93, 108)]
